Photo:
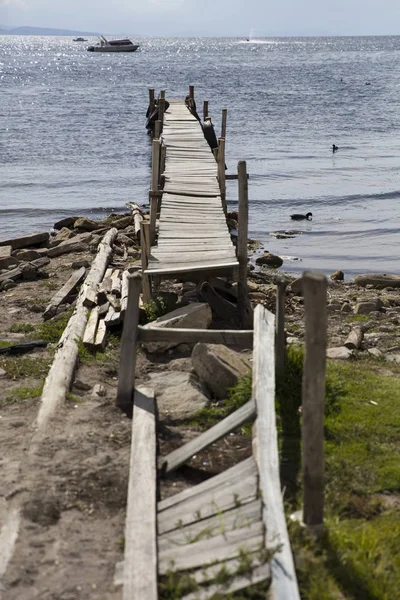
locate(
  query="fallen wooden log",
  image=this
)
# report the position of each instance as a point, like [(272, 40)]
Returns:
[(61, 296), (23, 347), (137, 217), (60, 376), (354, 339)]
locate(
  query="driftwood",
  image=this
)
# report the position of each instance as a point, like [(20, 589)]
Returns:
[(100, 340), (60, 376), (89, 336), (137, 217), (354, 339), (61, 296), (23, 347)]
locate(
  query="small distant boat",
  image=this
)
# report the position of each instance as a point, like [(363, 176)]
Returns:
[(79, 39), (123, 45)]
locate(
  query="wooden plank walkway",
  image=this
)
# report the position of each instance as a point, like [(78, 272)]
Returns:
[(193, 234)]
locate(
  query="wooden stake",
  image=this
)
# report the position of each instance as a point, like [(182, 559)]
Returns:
[(221, 172), (126, 382), (191, 92), (155, 174), (151, 100), (313, 396), (161, 109), (280, 327), (145, 248), (205, 110), (223, 125), (241, 249), (157, 129)]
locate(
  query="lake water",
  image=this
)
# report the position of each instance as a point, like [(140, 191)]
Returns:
[(73, 141)]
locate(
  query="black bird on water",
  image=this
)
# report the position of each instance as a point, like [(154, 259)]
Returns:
[(297, 217), (334, 148)]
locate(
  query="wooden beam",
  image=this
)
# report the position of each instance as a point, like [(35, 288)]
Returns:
[(145, 251), (62, 295), (140, 565), (242, 338), (280, 342), (284, 583), (223, 124), (241, 248), (178, 457), (205, 110), (313, 397), (126, 381)]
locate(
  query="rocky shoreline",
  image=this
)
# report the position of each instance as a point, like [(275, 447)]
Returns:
[(77, 482)]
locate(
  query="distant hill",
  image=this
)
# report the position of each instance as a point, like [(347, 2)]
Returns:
[(41, 31)]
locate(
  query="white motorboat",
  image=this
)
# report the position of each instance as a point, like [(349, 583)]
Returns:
[(122, 45)]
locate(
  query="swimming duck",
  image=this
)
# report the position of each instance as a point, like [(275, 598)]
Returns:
[(298, 217), (334, 147)]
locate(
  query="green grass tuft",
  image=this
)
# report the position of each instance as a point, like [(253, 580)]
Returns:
[(22, 328), (21, 394), (21, 367)]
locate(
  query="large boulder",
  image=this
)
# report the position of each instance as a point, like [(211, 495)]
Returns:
[(367, 306), (6, 260), (269, 260), (378, 280), (179, 395), (218, 367), (85, 224), (27, 255), (194, 316), (25, 241)]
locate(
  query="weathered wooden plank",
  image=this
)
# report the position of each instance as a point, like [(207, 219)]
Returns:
[(206, 504), (241, 516), (89, 336), (167, 268), (178, 457), (284, 584), (221, 547), (242, 338), (101, 333), (62, 295), (256, 575), (140, 567)]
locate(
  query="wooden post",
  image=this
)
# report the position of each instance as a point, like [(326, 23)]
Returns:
[(191, 92), (157, 129), (241, 249), (151, 100), (155, 176), (313, 397), (205, 110), (126, 382), (281, 284), (221, 172), (223, 125), (145, 250), (162, 94), (161, 109)]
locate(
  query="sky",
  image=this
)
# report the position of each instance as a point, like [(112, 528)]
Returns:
[(266, 18)]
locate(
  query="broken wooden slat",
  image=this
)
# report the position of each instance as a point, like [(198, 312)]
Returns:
[(240, 516), (140, 568), (100, 339), (91, 298), (116, 283), (242, 338), (284, 583), (124, 292), (256, 575), (246, 466), (113, 317), (206, 504), (220, 547), (91, 328), (67, 289), (178, 457)]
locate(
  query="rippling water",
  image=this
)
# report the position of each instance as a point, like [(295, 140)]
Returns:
[(72, 137)]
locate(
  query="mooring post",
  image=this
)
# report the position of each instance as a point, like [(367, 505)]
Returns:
[(127, 364), (281, 284), (161, 109), (145, 251), (151, 100), (205, 110), (221, 172), (157, 129), (155, 178), (243, 225), (223, 124), (313, 398), (191, 92)]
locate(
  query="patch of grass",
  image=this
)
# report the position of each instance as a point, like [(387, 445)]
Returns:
[(22, 328), (73, 398), (50, 285), (108, 357), (5, 344), (20, 367), (237, 396), (52, 330), (21, 394), (175, 585), (358, 318), (158, 307), (359, 554)]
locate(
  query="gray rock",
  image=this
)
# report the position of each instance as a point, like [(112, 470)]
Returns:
[(394, 358), (85, 224), (8, 262), (77, 264), (269, 260), (346, 307), (35, 239), (296, 287), (179, 395), (27, 255), (67, 247), (218, 367), (99, 390), (66, 222), (81, 385), (380, 280), (365, 307), (375, 352), (3, 373), (194, 316), (341, 353), (337, 276)]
